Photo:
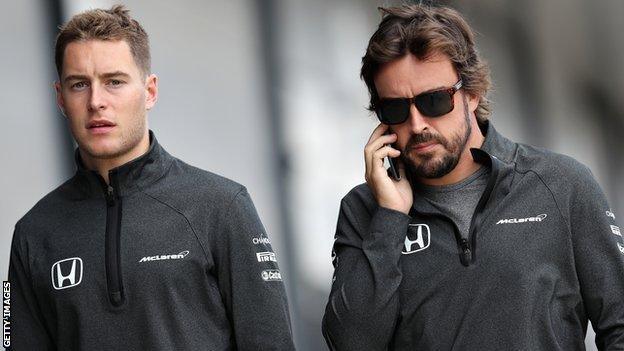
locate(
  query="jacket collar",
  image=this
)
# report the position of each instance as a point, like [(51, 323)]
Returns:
[(495, 144), (129, 177)]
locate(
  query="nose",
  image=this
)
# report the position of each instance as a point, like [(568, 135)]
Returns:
[(97, 99), (417, 122)]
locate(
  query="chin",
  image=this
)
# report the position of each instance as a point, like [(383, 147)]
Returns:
[(431, 165), (102, 150), (419, 159)]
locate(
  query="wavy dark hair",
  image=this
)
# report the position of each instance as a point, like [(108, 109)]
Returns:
[(422, 30)]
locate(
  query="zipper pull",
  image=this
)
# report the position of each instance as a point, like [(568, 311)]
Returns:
[(466, 254), (110, 195), (115, 297)]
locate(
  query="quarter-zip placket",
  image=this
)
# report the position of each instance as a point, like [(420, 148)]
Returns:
[(468, 246), (112, 240)]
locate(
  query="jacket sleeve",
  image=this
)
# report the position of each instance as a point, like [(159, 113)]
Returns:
[(363, 304), (599, 257), (28, 330), (250, 280)]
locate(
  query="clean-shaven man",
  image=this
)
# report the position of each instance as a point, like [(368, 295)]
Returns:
[(483, 243), (138, 250)]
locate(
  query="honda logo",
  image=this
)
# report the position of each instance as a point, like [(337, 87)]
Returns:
[(67, 273), (417, 239)]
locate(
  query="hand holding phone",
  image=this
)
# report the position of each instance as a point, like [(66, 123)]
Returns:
[(394, 169), (390, 193)]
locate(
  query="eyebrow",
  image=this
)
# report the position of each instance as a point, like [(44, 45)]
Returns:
[(104, 75)]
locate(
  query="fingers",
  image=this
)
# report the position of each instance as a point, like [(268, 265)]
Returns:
[(375, 166), (377, 132), (378, 159), (379, 146), (375, 145), (381, 141), (385, 151)]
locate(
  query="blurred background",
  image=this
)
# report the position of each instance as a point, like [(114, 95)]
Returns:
[(268, 93)]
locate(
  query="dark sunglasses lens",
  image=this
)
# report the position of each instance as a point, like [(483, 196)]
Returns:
[(434, 104), (393, 111)]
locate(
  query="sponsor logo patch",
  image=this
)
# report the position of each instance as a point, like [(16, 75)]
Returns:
[(67, 273), (261, 239), (266, 256), (271, 275), (417, 239), (616, 230), (179, 256), (610, 214), (537, 218)]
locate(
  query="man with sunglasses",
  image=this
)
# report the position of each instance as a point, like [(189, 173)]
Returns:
[(477, 242), (138, 250)]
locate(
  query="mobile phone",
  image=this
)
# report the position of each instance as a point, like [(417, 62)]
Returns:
[(394, 169)]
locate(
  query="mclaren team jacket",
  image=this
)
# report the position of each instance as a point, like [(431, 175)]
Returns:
[(543, 255), (168, 257)]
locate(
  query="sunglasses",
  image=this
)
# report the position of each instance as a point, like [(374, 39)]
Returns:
[(430, 104)]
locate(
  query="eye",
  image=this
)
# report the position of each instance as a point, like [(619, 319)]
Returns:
[(79, 86), (115, 82)]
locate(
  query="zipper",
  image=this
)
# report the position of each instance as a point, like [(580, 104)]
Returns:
[(469, 246), (112, 241), (463, 244), (466, 254)]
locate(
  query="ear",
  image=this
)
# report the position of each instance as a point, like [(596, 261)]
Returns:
[(151, 91), (60, 102), (473, 102)]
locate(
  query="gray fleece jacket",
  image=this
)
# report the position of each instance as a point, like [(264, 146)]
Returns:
[(544, 254), (168, 257)]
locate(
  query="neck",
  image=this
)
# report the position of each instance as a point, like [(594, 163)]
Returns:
[(103, 165), (466, 166)]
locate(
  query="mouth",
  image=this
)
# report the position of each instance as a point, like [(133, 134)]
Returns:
[(100, 126), (424, 147)]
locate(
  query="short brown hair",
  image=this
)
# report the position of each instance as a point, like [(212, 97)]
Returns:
[(99, 24), (423, 30)]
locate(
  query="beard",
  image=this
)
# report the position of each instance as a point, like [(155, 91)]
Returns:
[(429, 165)]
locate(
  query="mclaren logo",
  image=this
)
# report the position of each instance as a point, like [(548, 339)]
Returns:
[(164, 257), (417, 239), (67, 273), (538, 218)]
